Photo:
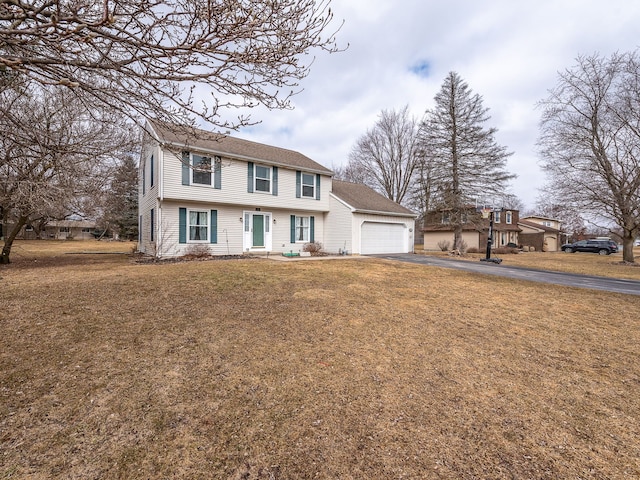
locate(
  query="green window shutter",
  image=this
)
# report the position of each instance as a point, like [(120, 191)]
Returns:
[(214, 226), (182, 225), (317, 187), (293, 229), (298, 183), (274, 187), (250, 177), (217, 173), (186, 174), (312, 229), (151, 182)]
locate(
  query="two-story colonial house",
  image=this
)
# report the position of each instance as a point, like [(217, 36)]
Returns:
[(438, 229), (228, 196)]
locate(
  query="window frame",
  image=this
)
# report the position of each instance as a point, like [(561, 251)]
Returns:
[(256, 179), (303, 228), (496, 217), (203, 171), (508, 217), (307, 185), (207, 226)]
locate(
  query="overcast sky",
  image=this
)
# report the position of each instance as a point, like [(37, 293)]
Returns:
[(400, 51)]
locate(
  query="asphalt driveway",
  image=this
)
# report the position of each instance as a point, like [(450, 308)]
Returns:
[(631, 287)]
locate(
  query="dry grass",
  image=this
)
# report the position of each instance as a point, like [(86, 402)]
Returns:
[(582, 263), (255, 369)]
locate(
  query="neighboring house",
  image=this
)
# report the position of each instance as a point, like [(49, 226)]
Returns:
[(541, 233), (57, 230), (202, 192), (438, 229), (362, 221), (71, 229)]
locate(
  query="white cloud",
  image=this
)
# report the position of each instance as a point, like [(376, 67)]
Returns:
[(507, 51)]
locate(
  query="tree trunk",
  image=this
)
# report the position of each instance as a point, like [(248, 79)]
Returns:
[(8, 241), (627, 248)]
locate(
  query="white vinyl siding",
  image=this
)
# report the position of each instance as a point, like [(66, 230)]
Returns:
[(234, 188)]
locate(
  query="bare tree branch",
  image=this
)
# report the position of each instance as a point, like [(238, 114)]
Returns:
[(147, 57), (386, 157), (590, 141)]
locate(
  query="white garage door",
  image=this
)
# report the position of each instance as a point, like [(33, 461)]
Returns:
[(383, 238)]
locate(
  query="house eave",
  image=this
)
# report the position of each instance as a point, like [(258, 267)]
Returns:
[(389, 214)]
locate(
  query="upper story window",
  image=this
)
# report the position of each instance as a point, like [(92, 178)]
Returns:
[(308, 185), (508, 217), (263, 179), (496, 217), (546, 224), (446, 218), (201, 170)]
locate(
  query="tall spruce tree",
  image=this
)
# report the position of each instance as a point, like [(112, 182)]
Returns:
[(461, 153)]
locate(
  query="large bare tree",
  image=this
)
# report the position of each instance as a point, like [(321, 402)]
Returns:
[(590, 141), (385, 158), (54, 155), (146, 57), (464, 161)]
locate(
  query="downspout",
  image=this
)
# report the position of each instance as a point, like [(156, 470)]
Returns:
[(160, 198)]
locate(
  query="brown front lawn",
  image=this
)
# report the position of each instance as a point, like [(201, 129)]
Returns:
[(350, 369)]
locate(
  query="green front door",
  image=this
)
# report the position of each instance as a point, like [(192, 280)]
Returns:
[(258, 230)]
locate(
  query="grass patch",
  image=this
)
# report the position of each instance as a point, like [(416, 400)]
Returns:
[(353, 368)]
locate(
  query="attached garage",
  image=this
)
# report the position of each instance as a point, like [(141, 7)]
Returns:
[(360, 221), (379, 237)]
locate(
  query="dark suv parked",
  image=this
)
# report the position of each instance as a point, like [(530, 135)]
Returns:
[(601, 247)]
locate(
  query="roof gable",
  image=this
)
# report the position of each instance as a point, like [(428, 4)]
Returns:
[(225, 145), (366, 200)]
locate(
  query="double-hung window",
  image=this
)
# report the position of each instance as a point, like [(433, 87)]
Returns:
[(302, 229), (263, 179), (508, 218), (496, 217), (198, 226), (308, 185), (201, 170)]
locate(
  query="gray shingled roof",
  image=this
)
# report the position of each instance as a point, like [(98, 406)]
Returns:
[(364, 199), (225, 145)]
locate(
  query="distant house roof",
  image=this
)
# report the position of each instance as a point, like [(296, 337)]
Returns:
[(538, 226), (542, 218), (224, 145), (71, 223), (364, 199)]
